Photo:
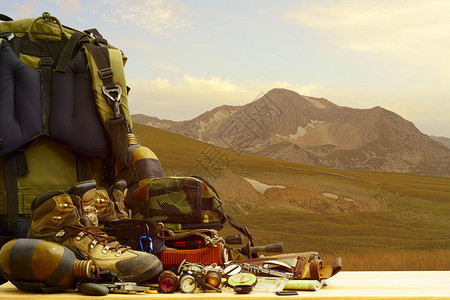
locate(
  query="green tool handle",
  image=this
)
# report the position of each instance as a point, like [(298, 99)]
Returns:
[(303, 285)]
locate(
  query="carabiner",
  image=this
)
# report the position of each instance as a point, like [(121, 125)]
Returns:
[(146, 248)]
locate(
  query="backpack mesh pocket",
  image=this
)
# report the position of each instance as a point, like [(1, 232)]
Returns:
[(175, 200)]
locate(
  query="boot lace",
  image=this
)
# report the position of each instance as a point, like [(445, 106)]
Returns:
[(99, 237)]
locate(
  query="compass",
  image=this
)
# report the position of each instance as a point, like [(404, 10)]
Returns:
[(188, 284), (242, 279)]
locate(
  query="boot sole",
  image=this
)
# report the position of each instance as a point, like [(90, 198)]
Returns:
[(147, 275)]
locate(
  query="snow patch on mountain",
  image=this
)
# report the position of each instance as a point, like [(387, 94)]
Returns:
[(216, 117), (262, 187), (301, 131), (316, 102)]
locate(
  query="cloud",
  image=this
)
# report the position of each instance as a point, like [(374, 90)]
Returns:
[(70, 5), (25, 11), (427, 108), (156, 16), (185, 97), (413, 30), (214, 83), (408, 42), (188, 96)]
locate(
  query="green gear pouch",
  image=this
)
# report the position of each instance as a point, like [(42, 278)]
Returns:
[(188, 201)]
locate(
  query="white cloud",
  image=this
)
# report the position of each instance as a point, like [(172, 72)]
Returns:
[(214, 83), (406, 40), (156, 16), (413, 31), (184, 98), (427, 108), (25, 11), (70, 5), (189, 96)]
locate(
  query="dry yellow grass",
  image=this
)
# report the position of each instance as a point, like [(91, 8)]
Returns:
[(381, 221), (398, 260)]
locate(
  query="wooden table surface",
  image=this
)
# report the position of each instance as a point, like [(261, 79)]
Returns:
[(345, 285)]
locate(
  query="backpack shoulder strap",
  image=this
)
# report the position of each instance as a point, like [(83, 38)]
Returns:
[(113, 90), (5, 18)]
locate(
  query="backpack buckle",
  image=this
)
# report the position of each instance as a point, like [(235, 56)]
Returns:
[(46, 62), (113, 96), (105, 73)]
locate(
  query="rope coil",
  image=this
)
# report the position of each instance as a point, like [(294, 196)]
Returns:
[(210, 236)]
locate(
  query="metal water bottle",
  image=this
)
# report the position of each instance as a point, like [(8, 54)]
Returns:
[(35, 265), (142, 164)]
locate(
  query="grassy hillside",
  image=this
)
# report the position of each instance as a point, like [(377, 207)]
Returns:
[(347, 213)]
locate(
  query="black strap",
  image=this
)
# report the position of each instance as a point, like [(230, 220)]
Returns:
[(235, 224), (94, 32), (21, 256), (41, 48), (39, 287), (207, 203), (21, 162), (101, 57), (5, 18), (14, 42), (108, 169), (46, 64), (66, 53), (84, 171), (99, 39), (64, 267), (15, 165), (117, 125), (117, 131), (12, 194), (53, 48)]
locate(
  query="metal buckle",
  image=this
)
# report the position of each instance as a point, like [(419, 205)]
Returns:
[(105, 73), (46, 62), (114, 101)]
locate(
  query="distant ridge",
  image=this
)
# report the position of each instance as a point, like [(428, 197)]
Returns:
[(285, 125), (441, 139)]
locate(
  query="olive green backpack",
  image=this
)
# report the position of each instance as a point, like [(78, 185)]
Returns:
[(64, 114)]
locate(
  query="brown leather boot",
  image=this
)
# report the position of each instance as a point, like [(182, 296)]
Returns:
[(59, 217), (95, 201), (117, 193)]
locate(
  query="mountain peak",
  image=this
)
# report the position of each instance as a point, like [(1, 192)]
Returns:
[(286, 125)]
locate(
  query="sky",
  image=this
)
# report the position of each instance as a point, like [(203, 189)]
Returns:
[(188, 57)]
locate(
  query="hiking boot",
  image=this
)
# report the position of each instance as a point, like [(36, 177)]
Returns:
[(95, 201), (59, 217), (102, 204), (117, 194), (86, 191)]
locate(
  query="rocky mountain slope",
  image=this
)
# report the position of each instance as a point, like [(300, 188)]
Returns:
[(285, 125), (441, 139)]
